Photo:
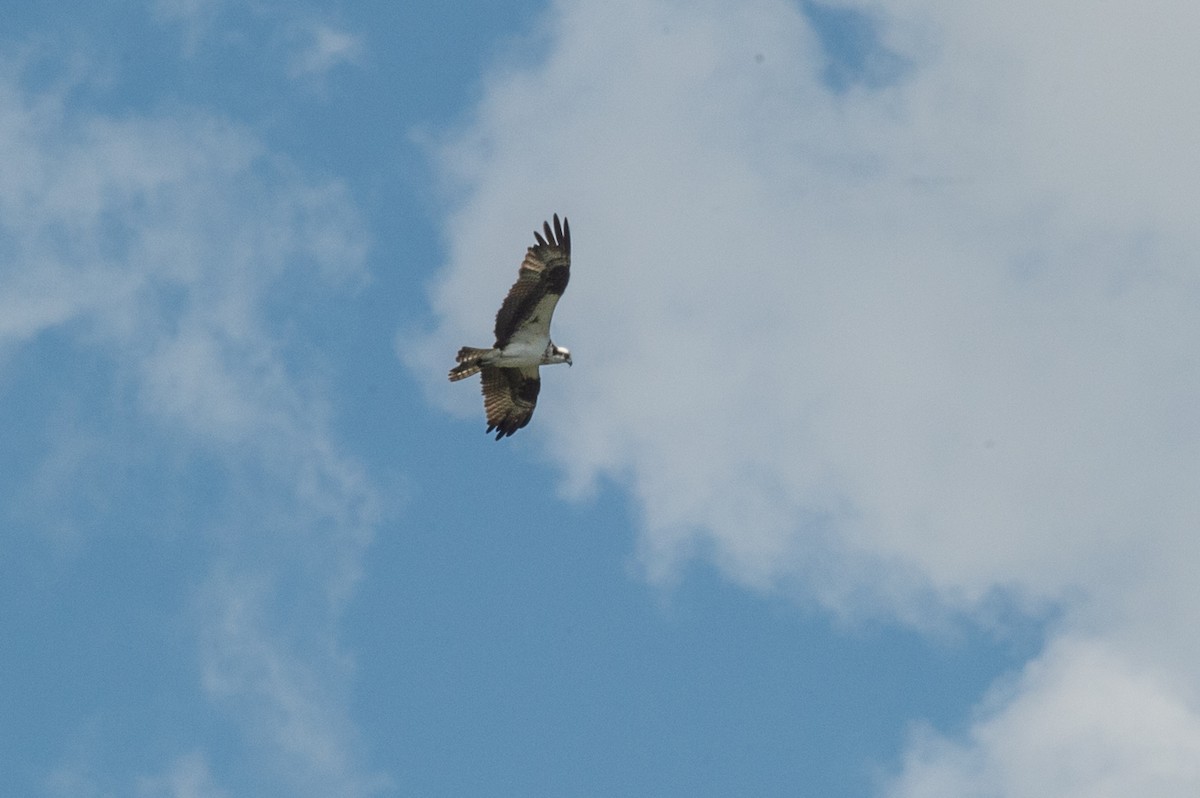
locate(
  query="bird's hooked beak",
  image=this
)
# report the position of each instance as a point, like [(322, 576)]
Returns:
[(569, 361)]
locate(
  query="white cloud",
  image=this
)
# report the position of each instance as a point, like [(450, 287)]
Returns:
[(901, 348), (1082, 722), (160, 244), (883, 327)]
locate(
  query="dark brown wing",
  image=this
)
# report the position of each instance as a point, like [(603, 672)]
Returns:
[(509, 397), (540, 282)]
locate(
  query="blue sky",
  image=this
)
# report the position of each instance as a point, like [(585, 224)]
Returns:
[(877, 476)]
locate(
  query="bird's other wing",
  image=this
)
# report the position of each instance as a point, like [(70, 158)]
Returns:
[(509, 397)]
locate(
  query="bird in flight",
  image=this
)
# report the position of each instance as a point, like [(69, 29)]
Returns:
[(511, 380)]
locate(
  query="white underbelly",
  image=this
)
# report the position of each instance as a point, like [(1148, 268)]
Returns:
[(522, 351)]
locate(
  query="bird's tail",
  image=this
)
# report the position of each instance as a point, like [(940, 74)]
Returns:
[(469, 362)]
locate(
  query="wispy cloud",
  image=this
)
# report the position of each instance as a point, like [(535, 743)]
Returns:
[(160, 244), (290, 687), (901, 347), (298, 40), (195, 18), (187, 777), (321, 47)]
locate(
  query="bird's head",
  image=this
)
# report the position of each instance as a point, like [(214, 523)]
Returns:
[(564, 354)]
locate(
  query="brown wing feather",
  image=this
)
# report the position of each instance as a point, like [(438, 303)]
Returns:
[(509, 397), (543, 277)]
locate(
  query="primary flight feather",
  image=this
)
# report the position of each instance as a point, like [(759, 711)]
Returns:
[(510, 376)]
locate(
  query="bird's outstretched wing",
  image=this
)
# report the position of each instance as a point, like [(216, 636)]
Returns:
[(509, 397), (541, 281)]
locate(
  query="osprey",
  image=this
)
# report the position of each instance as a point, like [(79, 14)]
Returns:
[(510, 368)]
